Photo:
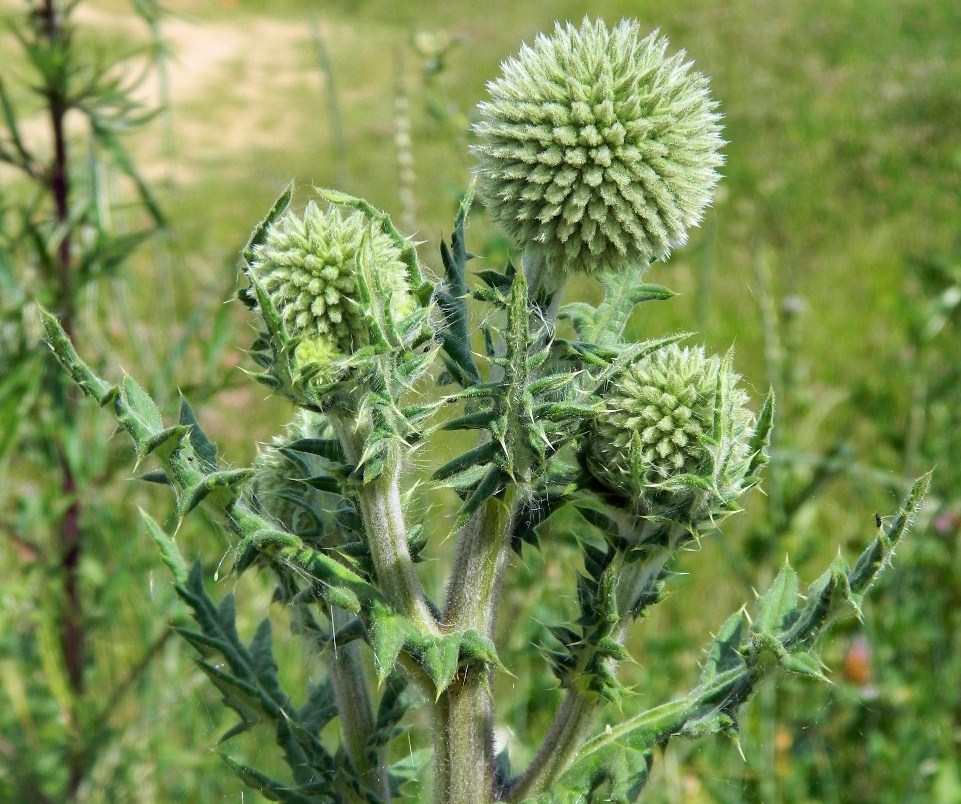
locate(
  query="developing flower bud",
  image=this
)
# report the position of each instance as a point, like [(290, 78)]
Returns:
[(597, 149), (310, 268), (278, 482), (675, 436)]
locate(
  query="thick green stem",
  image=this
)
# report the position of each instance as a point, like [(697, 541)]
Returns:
[(464, 715), (355, 711), (463, 719), (478, 566), (386, 534), (463, 743)]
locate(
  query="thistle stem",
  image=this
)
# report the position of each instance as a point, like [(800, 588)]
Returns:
[(386, 534), (355, 711), (472, 593), (463, 719), (567, 732), (463, 742), (575, 716)]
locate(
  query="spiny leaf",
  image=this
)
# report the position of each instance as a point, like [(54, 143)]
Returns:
[(165, 441), (169, 552), (761, 439), (388, 633), (725, 651), (478, 456), (259, 233), (778, 601), (204, 448), (439, 658), (92, 385), (227, 479), (452, 301), (492, 484), (471, 421), (270, 788), (805, 664)]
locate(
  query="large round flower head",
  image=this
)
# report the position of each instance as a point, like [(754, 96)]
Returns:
[(310, 267), (675, 436), (596, 148)]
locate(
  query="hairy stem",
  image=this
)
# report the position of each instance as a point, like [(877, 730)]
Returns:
[(565, 736), (355, 711), (637, 581), (478, 566), (386, 533), (463, 742)]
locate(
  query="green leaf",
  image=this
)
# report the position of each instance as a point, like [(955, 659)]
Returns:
[(803, 663), (491, 485), (478, 456), (476, 648), (259, 234), (169, 552), (761, 439), (270, 788), (390, 710), (139, 415), (872, 560), (165, 441), (327, 448), (778, 602), (471, 421), (439, 659), (388, 633), (725, 653), (320, 707), (451, 300), (225, 480), (92, 385), (204, 448)]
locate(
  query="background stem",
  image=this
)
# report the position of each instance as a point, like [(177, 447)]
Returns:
[(355, 711), (52, 29)]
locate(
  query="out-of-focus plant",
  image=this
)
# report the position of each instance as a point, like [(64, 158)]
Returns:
[(897, 705), (597, 151), (73, 208)]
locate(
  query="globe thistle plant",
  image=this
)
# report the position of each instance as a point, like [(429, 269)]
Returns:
[(597, 152), (675, 435), (596, 149), (312, 269)]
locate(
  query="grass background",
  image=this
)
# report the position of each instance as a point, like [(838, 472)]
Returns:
[(843, 163)]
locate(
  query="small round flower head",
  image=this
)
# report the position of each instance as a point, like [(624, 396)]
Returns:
[(675, 435), (596, 148), (310, 267)]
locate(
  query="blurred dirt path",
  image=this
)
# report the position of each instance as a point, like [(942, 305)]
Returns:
[(232, 84)]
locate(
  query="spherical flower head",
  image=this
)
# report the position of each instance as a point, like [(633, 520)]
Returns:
[(597, 149), (675, 435), (310, 267)]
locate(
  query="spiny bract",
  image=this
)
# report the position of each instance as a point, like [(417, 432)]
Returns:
[(310, 268), (674, 435), (597, 149)]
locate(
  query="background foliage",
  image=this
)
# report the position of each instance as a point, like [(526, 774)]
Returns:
[(830, 258)]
